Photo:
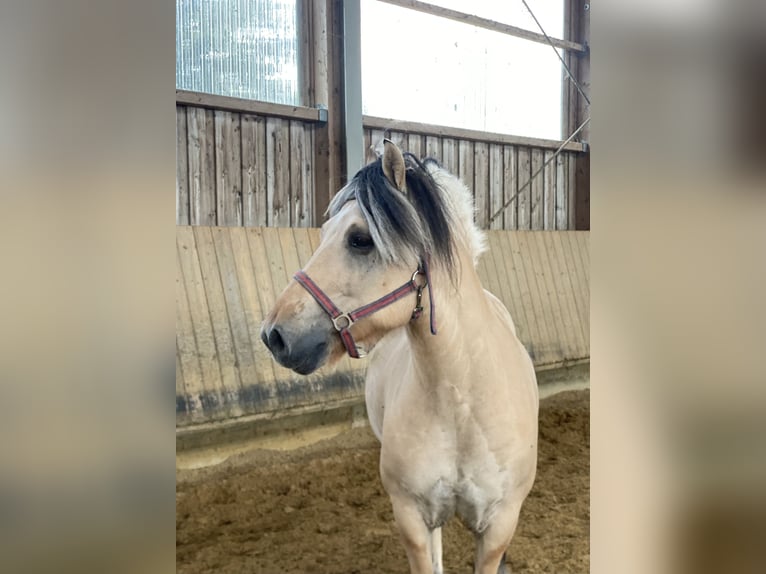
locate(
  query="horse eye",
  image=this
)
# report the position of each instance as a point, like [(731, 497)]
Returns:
[(360, 242)]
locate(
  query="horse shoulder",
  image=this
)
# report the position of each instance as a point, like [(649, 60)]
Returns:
[(500, 310), (515, 358)]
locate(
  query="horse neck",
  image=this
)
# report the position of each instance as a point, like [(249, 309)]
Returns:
[(460, 310)]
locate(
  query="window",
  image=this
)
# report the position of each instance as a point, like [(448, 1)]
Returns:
[(428, 69), (240, 48)]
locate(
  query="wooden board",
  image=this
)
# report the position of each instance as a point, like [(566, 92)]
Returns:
[(553, 310), (281, 168), (307, 179), (300, 212), (415, 145), (562, 179), (529, 261), (450, 155), (241, 105), (253, 154), (574, 345), (496, 183), (182, 169), (252, 313), (228, 168), (481, 184), (201, 153), (510, 175), (521, 313), (433, 148), (549, 191), (229, 382), (536, 192), (204, 386), (465, 164), (571, 264), (244, 335), (571, 193), (523, 189), (191, 383)]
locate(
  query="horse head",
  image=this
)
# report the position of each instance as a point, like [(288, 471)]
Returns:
[(368, 272)]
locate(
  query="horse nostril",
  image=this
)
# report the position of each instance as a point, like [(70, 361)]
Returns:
[(265, 338), (275, 342)]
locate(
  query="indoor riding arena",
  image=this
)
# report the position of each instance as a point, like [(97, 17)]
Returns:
[(278, 104)]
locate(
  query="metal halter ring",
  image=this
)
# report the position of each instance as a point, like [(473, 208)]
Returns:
[(342, 321), (420, 272)]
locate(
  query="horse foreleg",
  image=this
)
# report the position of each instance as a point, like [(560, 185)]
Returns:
[(493, 542), (416, 537), (436, 551), (504, 567)]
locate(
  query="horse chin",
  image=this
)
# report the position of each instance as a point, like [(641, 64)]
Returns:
[(305, 370)]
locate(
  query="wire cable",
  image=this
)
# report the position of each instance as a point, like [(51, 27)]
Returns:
[(563, 63), (542, 167)]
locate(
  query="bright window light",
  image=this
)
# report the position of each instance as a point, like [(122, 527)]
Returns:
[(427, 69)]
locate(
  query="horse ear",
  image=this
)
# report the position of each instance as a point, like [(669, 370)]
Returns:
[(393, 164)]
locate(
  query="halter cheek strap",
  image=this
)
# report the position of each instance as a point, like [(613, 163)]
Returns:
[(343, 321)]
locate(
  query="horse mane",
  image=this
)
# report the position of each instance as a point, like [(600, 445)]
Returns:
[(429, 221)]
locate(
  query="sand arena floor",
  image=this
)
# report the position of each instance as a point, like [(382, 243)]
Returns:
[(322, 508)]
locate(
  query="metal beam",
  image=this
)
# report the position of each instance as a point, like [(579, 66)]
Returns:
[(352, 69), (485, 23)]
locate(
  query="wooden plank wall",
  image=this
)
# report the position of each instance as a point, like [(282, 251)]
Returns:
[(227, 278), (495, 172), (242, 169)]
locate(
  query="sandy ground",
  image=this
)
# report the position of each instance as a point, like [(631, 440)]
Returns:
[(322, 508)]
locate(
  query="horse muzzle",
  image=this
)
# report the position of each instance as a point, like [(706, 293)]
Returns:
[(304, 353)]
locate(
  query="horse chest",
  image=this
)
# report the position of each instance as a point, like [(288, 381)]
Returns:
[(444, 455), (443, 484), (474, 500)]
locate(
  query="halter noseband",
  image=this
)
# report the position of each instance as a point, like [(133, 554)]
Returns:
[(343, 321)]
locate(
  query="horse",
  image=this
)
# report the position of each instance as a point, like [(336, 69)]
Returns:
[(451, 391)]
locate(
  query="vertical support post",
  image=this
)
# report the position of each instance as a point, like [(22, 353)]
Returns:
[(319, 52), (352, 68), (566, 84), (327, 76), (582, 173), (304, 24), (576, 110)]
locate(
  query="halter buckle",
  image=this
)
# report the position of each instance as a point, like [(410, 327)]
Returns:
[(418, 310), (342, 321)]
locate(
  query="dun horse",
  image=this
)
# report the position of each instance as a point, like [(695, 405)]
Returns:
[(451, 391)]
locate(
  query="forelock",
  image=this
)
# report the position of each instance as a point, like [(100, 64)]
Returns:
[(393, 222), (403, 226)]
